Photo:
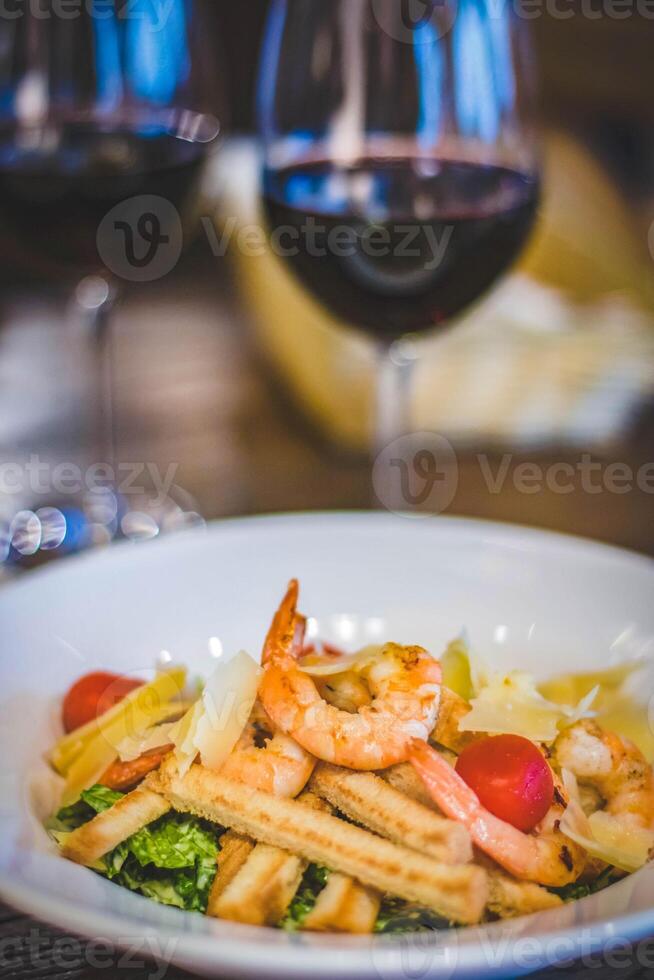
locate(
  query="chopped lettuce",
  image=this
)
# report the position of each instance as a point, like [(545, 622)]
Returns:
[(396, 916), (313, 882), (92, 801), (173, 860), (577, 890)]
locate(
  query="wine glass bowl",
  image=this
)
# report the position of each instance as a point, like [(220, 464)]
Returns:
[(401, 245), (400, 175), (99, 109), (108, 117)]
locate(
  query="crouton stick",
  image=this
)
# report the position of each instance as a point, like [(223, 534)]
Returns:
[(344, 906), (369, 800), (234, 852), (262, 887), (406, 780), (108, 829), (508, 897), (456, 892)]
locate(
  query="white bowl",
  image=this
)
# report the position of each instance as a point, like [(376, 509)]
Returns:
[(528, 598)]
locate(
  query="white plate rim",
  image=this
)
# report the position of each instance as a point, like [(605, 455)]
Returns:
[(234, 952)]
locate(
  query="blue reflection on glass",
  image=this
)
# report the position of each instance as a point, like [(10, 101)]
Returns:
[(270, 67), (157, 53), (107, 57), (499, 22), (477, 101), (428, 54)]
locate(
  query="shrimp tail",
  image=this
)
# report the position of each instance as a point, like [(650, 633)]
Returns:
[(546, 858), (442, 783), (287, 627)]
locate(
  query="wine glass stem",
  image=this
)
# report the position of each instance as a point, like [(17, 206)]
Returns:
[(393, 420), (95, 297), (393, 414)]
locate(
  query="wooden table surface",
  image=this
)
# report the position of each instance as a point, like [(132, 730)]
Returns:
[(191, 389)]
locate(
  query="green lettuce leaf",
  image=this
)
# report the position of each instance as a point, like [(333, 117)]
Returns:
[(172, 860), (92, 801), (313, 882), (398, 916), (576, 890)]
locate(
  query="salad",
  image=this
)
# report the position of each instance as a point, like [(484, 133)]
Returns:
[(382, 791)]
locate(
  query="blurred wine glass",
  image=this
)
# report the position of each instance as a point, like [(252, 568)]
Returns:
[(400, 175), (108, 115)]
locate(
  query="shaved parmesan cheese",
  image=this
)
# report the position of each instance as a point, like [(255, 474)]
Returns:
[(621, 705), (457, 672), (628, 847), (214, 724), (327, 666), (570, 687), (630, 719), (154, 738), (602, 835), (182, 736), (510, 704), (131, 717), (228, 699), (148, 700), (582, 710), (464, 673)]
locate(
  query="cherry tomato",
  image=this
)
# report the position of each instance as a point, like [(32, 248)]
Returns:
[(511, 778), (92, 695)]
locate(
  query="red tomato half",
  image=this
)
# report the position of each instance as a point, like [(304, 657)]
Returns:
[(92, 695), (511, 778)]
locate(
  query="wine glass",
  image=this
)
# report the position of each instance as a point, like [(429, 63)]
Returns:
[(400, 169), (107, 120)]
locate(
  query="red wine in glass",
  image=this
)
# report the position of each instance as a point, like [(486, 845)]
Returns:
[(55, 189), (399, 245)]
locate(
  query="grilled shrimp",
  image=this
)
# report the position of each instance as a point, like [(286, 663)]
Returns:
[(546, 856), (266, 759), (404, 683), (347, 691), (613, 767)]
